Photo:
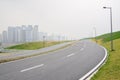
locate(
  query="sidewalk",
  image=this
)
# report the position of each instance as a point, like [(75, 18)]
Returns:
[(21, 53)]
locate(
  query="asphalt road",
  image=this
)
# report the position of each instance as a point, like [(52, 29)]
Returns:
[(70, 63)]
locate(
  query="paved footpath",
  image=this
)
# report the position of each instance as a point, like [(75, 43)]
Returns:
[(20, 53)]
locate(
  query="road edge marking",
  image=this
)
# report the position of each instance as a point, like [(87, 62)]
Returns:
[(86, 76)]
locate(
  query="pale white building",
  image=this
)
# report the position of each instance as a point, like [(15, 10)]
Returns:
[(29, 33), (43, 36), (0, 38), (35, 33), (16, 35), (11, 34), (4, 37), (23, 33), (19, 34)]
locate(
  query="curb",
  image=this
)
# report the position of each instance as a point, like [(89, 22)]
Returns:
[(95, 69)]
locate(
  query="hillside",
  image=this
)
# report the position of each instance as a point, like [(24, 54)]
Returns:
[(111, 69), (107, 37), (34, 45)]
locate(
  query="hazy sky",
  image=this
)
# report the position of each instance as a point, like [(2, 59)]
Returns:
[(75, 18)]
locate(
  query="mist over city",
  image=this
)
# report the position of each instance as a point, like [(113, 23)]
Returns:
[(28, 33), (75, 19)]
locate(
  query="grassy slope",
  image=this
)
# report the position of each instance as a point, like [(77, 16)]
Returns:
[(106, 37), (33, 45), (111, 70)]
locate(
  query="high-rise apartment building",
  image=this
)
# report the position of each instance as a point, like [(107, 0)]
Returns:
[(43, 36), (29, 33), (21, 34), (4, 36), (16, 34), (11, 34), (35, 33), (0, 38), (19, 30)]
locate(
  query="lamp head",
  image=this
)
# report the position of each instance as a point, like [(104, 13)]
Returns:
[(104, 7), (107, 7)]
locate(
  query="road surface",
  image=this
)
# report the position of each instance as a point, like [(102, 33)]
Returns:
[(70, 63)]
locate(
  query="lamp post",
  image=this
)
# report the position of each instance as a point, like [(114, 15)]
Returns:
[(95, 34), (59, 38), (0, 47), (43, 41), (110, 8)]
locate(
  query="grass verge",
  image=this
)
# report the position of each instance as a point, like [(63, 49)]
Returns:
[(35, 45), (111, 70)]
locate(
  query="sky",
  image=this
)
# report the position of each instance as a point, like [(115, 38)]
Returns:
[(73, 18)]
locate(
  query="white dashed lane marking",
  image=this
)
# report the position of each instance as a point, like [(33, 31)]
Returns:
[(27, 69)]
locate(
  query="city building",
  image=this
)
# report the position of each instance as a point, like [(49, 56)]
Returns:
[(43, 36), (0, 38), (23, 33), (35, 33), (11, 34), (30, 33), (4, 37)]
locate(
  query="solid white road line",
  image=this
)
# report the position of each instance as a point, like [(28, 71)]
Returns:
[(32, 68), (70, 55), (87, 75)]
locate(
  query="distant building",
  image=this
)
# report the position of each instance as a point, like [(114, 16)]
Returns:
[(42, 35), (35, 33), (23, 33), (54, 37), (4, 37), (16, 35), (19, 30), (0, 38), (29, 33), (11, 34)]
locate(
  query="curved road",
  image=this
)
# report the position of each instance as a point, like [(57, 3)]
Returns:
[(70, 63)]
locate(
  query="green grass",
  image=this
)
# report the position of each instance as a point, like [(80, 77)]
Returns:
[(34, 45), (107, 37), (111, 70)]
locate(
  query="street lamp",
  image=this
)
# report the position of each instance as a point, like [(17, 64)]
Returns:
[(43, 41), (110, 8), (0, 47), (59, 38), (95, 34)]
